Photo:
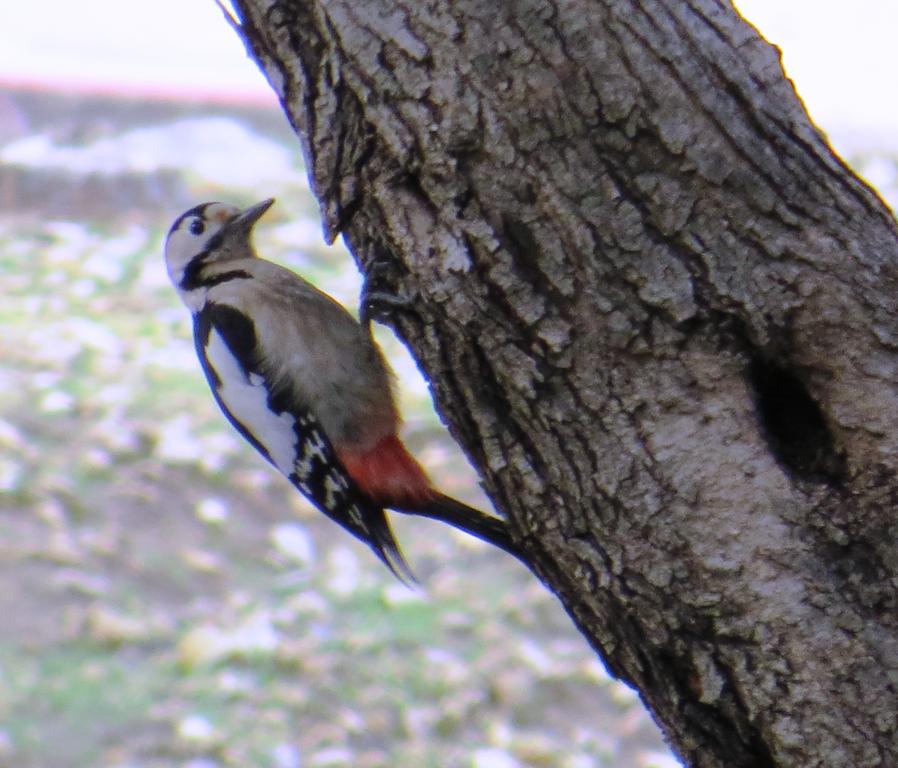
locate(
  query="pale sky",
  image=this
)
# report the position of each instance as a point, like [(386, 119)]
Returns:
[(837, 53)]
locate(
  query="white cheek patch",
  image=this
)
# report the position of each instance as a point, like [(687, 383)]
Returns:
[(247, 401)]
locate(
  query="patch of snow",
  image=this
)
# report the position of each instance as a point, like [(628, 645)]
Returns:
[(293, 541), (218, 150), (493, 758)]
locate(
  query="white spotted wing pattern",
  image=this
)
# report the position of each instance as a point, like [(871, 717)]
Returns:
[(283, 431)]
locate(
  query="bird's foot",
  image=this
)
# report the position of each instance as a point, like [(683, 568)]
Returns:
[(376, 304)]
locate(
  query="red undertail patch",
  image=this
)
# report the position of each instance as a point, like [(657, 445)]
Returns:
[(389, 474)]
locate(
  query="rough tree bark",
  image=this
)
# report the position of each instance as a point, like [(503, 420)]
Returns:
[(657, 312)]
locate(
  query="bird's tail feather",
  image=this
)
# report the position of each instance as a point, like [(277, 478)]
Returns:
[(383, 543), (492, 530)]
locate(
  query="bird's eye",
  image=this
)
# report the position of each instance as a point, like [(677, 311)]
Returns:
[(197, 227)]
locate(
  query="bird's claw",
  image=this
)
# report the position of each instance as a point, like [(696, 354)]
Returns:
[(376, 304)]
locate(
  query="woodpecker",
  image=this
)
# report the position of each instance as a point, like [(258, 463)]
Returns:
[(304, 383)]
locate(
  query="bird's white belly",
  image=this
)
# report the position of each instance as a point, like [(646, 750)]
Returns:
[(247, 401)]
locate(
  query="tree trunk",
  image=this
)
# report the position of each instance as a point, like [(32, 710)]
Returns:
[(657, 312)]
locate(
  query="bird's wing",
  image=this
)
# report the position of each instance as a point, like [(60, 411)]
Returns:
[(268, 414)]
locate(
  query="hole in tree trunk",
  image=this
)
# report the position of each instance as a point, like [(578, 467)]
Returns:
[(794, 424)]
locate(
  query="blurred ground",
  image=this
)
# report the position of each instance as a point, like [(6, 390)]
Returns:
[(165, 599)]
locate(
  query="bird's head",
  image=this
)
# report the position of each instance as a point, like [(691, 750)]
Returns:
[(210, 232)]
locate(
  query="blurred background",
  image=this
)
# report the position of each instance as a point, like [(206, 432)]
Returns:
[(165, 598)]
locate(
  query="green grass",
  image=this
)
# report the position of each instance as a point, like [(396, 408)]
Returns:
[(78, 693), (103, 521)]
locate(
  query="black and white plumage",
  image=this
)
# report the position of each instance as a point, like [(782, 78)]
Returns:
[(304, 383)]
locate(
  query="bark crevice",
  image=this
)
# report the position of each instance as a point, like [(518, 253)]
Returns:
[(658, 313)]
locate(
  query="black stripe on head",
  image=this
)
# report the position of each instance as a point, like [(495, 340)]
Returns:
[(194, 279), (197, 210)]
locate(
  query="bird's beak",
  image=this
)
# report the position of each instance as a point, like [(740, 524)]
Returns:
[(243, 222)]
